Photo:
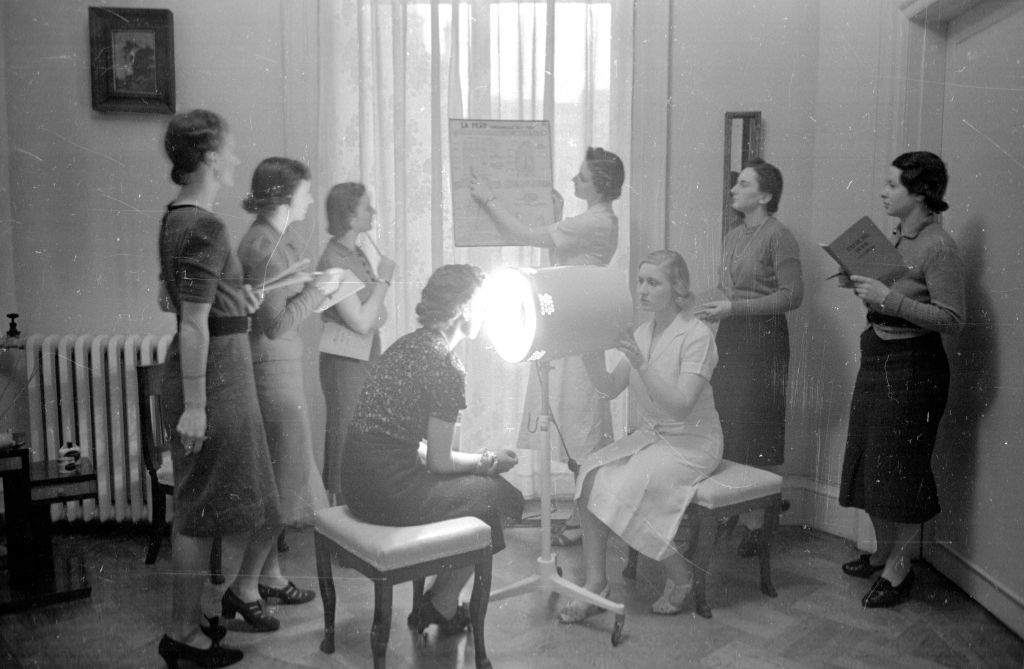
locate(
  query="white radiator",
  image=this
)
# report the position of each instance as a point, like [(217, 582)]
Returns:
[(84, 389)]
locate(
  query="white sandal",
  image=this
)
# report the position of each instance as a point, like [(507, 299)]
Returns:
[(577, 610), (672, 599)]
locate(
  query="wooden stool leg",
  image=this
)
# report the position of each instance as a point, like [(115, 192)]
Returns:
[(707, 526), (769, 525), (478, 609), (156, 534), (216, 571), (381, 630), (327, 596), (630, 569)]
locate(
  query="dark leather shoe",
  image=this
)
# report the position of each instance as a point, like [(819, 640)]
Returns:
[(884, 594), (861, 567), (253, 613), (289, 594), (215, 656)]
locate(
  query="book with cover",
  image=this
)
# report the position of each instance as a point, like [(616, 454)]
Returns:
[(864, 249)]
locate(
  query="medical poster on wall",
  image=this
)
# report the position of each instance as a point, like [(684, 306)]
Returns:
[(514, 158)]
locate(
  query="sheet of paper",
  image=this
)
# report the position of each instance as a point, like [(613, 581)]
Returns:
[(514, 158)]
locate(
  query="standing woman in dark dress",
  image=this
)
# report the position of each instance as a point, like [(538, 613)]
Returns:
[(223, 480), (350, 343), (761, 279), (280, 196), (900, 393), (416, 391)]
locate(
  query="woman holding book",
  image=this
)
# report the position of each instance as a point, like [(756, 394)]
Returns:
[(760, 280), (350, 342), (280, 196), (900, 392)]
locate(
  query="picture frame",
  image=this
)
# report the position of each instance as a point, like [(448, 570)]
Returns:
[(131, 55)]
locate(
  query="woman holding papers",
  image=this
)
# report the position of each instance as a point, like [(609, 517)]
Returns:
[(223, 480), (760, 280), (350, 342), (583, 418), (900, 393), (280, 196), (639, 486)]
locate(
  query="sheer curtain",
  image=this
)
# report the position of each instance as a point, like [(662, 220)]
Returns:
[(392, 72)]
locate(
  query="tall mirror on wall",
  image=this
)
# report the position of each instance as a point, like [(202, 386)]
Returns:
[(742, 142)]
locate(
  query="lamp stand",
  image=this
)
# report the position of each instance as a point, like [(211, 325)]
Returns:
[(548, 576)]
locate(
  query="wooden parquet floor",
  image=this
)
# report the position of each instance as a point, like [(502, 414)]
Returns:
[(816, 621)]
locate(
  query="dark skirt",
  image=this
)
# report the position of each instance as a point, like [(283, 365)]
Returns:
[(228, 487), (898, 399), (386, 484), (749, 384), (341, 380)]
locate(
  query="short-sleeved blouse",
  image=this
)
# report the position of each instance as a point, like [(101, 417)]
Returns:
[(588, 239), (416, 378), (337, 254), (196, 262)]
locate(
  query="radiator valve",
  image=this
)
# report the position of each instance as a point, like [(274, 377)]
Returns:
[(13, 337)]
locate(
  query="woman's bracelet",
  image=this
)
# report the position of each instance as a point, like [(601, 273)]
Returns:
[(195, 405), (488, 462), (386, 282)]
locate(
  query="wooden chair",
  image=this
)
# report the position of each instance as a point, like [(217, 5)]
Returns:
[(156, 457), (733, 489), (391, 555)]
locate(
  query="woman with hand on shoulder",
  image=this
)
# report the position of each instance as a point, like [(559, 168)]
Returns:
[(415, 392), (591, 238), (761, 279), (223, 480), (350, 344), (901, 388), (639, 486), (280, 196)]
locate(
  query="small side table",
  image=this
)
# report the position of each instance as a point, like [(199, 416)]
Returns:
[(34, 576)]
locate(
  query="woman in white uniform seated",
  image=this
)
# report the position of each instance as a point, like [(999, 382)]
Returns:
[(639, 487)]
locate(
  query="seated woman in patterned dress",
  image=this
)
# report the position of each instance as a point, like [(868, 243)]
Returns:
[(415, 392), (639, 486)]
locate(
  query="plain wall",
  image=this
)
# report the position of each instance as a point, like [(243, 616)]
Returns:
[(87, 189)]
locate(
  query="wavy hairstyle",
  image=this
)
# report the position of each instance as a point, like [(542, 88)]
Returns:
[(675, 269), (923, 173), (342, 202), (448, 290), (769, 180), (608, 172), (189, 136), (274, 182)]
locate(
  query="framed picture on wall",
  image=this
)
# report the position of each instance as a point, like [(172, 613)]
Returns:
[(132, 60)]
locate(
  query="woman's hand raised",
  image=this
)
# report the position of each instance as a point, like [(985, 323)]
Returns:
[(627, 344)]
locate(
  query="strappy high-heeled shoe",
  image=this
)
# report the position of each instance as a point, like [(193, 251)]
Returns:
[(671, 601), (289, 594), (215, 632), (577, 610), (252, 612), (424, 614), (215, 656)]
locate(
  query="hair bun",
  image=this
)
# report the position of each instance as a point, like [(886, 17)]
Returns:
[(249, 203)]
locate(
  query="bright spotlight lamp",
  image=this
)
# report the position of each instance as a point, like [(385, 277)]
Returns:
[(551, 312), (537, 315)]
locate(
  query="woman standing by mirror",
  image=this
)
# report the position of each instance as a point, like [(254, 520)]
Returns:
[(760, 280)]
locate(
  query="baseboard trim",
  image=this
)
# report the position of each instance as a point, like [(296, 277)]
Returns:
[(982, 586)]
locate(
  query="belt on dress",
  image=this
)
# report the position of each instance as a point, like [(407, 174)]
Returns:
[(221, 326)]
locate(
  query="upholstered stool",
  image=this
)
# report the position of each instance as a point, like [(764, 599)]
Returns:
[(390, 555), (733, 489)]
